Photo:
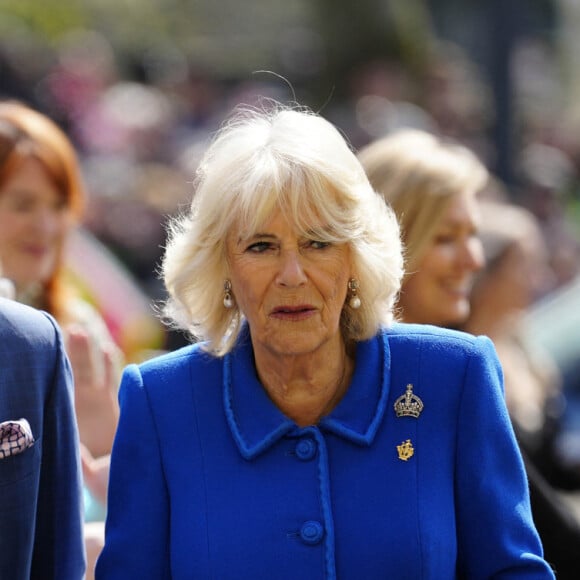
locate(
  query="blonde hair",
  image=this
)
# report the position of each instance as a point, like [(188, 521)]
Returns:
[(418, 174), (291, 159)]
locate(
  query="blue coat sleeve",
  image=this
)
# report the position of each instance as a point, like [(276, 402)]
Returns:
[(496, 534), (137, 525), (59, 547)]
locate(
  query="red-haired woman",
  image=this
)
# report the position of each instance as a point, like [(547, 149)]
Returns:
[(41, 201)]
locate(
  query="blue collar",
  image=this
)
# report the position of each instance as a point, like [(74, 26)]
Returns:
[(257, 424)]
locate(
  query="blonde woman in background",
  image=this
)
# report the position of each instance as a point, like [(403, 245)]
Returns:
[(434, 187)]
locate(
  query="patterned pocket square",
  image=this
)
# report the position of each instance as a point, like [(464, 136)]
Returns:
[(15, 437)]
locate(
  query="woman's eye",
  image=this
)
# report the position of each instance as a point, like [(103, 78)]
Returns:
[(318, 245), (23, 206), (258, 247), (61, 204), (444, 239)]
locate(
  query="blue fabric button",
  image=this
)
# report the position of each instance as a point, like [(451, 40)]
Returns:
[(312, 532), (306, 449)]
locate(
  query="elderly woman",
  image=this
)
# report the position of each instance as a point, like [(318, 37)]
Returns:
[(305, 435)]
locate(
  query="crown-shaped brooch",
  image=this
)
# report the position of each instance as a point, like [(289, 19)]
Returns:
[(409, 404)]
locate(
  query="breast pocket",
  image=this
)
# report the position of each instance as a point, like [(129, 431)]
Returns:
[(19, 479)]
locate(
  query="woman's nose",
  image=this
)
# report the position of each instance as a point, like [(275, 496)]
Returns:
[(472, 255), (291, 272), (48, 221)]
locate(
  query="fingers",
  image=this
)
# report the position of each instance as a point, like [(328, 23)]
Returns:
[(88, 466), (112, 365), (87, 360), (95, 473), (96, 371)]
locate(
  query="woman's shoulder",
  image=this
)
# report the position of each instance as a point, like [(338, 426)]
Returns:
[(79, 312), (192, 359), (438, 339), (428, 332), (441, 356), (170, 379)]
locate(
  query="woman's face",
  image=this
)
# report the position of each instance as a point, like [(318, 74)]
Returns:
[(520, 276), (290, 288), (438, 291), (33, 224)]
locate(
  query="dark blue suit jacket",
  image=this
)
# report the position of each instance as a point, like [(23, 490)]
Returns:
[(40, 489), (210, 480)]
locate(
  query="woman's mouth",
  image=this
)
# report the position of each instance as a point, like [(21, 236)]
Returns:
[(295, 313), (36, 250)]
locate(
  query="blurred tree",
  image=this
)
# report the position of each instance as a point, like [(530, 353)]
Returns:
[(48, 19), (369, 30), (233, 37)]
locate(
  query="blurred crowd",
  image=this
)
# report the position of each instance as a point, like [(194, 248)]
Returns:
[(140, 127)]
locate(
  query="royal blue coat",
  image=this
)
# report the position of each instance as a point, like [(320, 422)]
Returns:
[(210, 480)]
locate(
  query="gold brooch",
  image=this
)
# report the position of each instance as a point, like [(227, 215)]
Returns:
[(405, 450), (409, 404)]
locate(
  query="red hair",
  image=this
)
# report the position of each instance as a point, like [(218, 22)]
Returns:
[(26, 133)]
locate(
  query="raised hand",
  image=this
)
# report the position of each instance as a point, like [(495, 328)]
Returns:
[(96, 370)]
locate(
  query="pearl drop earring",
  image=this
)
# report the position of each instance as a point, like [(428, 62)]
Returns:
[(354, 301), (228, 300)]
